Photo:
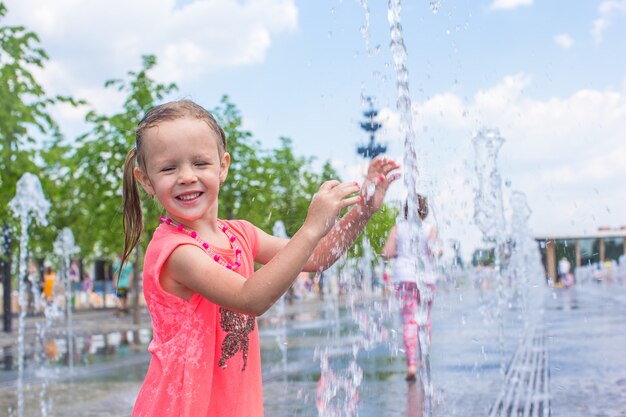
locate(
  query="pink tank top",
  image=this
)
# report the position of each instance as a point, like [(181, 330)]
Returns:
[(205, 359)]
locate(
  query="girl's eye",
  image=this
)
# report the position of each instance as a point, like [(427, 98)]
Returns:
[(167, 169), (201, 164)]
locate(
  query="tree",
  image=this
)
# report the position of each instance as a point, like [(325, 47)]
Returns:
[(242, 182), (28, 134), (94, 189), (23, 114), (265, 185), (23, 107)]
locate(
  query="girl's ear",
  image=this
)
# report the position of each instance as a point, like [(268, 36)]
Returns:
[(224, 165), (142, 177)]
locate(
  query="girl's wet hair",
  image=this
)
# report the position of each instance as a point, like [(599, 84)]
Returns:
[(422, 207), (133, 220)]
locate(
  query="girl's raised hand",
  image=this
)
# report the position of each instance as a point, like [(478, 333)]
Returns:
[(380, 174), (332, 197)]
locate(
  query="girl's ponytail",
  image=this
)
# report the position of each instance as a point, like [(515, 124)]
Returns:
[(132, 220)]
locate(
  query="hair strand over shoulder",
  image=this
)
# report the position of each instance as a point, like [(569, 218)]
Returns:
[(132, 221)]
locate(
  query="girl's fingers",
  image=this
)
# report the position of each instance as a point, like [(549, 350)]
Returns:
[(393, 177), (330, 184), (389, 178), (346, 202), (347, 188), (390, 167)]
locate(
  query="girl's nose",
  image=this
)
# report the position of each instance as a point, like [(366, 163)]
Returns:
[(187, 175)]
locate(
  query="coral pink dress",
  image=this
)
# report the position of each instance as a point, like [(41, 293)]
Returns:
[(205, 359)]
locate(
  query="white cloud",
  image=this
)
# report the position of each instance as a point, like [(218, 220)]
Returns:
[(509, 4), (98, 37), (561, 152), (92, 41), (608, 11), (564, 40)]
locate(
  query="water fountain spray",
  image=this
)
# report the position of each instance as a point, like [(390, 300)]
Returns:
[(489, 212), (525, 264), (65, 248), (410, 174), (28, 204), (281, 338)]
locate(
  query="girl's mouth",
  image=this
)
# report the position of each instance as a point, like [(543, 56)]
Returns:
[(189, 197)]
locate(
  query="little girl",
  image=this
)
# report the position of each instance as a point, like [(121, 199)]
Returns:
[(414, 276), (199, 280)]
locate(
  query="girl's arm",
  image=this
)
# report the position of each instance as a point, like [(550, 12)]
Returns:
[(189, 270), (434, 243), (390, 250), (380, 174)]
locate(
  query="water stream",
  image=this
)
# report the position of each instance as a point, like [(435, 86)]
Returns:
[(29, 204), (411, 175), (489, 214)]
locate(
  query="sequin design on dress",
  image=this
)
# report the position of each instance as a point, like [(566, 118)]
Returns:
[(238, 327)]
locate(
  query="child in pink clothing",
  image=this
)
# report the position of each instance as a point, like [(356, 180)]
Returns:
[(199, 280)]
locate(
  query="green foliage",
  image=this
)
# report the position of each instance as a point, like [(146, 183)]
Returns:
[(22, 107), (83, 181), (93, 186), (27, 131), (378, 228), (265, 186)]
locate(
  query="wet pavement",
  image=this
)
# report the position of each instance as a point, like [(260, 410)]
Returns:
[(563, 355)]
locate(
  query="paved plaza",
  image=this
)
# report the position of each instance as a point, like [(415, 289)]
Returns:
[(563, 359)]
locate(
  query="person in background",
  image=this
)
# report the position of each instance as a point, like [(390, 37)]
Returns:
[(414, 275), (48, 284), (564, 268), (122, 278)]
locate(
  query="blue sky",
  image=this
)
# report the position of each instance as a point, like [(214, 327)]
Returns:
[(551, 75)]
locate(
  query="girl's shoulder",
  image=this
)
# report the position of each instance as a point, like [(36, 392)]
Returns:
[(166, 236), (244, 227), (247, 231)]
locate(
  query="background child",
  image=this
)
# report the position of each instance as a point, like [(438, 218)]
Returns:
[(49, 277), (199, 280), (121, 282), (414, 277)]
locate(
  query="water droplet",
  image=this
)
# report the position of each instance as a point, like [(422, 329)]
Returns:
[(434, 6)]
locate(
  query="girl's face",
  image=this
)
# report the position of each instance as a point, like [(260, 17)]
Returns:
[(183, 169)]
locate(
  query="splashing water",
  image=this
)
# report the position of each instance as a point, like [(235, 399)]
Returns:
[(365, 29), (338, 392), (435, 6), (399, 54), (488, 207), (338, 389), (411, 171), (525, 265), (489, 214), (64, 248), (367, 284), (281, 338), (28, 204)]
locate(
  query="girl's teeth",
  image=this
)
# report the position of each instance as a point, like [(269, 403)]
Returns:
[(188, 196)]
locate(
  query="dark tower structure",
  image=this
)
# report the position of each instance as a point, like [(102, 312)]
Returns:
[(372, 149)]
